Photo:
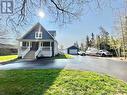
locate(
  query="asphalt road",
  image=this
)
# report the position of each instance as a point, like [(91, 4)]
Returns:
[(102, 65)]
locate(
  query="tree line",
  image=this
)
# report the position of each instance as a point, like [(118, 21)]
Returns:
[(105, 41)]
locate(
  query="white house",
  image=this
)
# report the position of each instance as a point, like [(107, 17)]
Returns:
[(37, 42)]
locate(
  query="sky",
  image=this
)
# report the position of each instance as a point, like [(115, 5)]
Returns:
[(88, 23)]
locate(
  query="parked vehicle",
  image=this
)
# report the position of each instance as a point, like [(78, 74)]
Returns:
[(91, 51), (79, 53), (104, 53), (88, 52), (82, 53)]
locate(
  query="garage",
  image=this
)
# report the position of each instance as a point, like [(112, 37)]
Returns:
[(73, 50)]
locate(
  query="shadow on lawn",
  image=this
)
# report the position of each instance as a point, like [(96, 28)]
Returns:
[(50, 79), (27, 82)]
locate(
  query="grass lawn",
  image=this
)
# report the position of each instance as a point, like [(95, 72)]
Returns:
[(59, 82), (63, 56), (7, 58)]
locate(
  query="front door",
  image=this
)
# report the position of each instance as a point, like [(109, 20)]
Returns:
[(35, 45)]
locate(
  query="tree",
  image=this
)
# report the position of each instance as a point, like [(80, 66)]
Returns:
[(60, 11), (76, 44), (115, 44), (121, 29), (92, 41), (87, 42), (104, 38), (82, 47), (92, 35), (98, 41)]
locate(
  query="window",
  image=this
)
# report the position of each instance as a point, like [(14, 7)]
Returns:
[(38, 35), (46, 43), (25, 44)]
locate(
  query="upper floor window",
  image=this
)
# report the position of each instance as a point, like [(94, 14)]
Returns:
[(38, 35)]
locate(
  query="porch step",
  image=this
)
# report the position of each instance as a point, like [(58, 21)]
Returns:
[(30, 55)]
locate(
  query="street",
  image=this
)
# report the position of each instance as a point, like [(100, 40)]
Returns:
[(102, 65)]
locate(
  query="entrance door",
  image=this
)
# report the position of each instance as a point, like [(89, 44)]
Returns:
[(35, 45)]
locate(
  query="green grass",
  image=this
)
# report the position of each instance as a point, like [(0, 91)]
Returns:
[(63, 56), (7, 58), (59, 82)]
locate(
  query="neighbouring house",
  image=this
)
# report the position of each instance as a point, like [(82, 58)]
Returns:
[(37, 42), (7, 49), (73, 50)]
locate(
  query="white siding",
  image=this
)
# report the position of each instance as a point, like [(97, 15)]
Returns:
[(55, 48)]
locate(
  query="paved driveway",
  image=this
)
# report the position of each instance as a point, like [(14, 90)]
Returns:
[(102, 65)]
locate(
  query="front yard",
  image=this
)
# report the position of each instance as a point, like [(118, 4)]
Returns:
[(7, 58), (59, 82)]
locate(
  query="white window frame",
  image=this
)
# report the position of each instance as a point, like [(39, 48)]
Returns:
[(38, 35), (25, 44)]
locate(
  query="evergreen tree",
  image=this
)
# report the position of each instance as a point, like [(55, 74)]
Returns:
[(92, 42), (92, 36), (87, 42), (98, 41)]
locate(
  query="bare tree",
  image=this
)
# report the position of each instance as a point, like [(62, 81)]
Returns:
[(104, 35), (115, 44), (60, 11), (121, 28)]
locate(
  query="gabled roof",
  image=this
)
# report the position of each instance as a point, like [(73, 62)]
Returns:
[(46, 35), (52, 32)]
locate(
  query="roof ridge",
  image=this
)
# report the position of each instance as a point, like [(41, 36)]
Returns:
[(37, 24), (29, 30)]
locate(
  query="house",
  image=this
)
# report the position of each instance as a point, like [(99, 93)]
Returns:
[(7, 49), (73, 50), (37, 42)]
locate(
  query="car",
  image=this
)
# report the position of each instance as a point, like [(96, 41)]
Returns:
[(104, 53), (79, 53), (82, 53), (91, 51), (88, 52)]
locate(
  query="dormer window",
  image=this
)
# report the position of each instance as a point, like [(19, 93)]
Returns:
[(38, 35)]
